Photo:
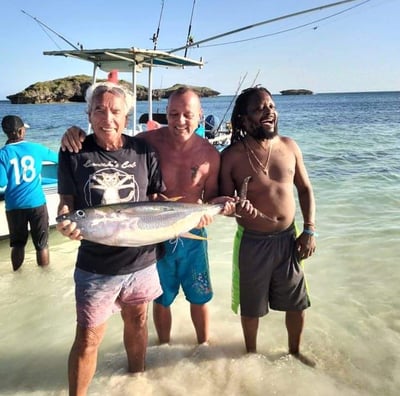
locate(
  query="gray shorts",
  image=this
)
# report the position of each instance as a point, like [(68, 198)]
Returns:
[(270, 274)]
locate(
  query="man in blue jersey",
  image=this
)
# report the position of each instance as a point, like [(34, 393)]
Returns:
[(20, 173)]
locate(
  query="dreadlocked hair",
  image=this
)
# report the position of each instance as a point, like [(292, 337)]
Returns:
[(240, 109)]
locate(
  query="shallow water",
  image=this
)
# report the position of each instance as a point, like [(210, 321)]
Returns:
[(351, 145), (352, 330)]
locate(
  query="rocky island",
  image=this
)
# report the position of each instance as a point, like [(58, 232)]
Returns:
[(73, 89), (296, 92)]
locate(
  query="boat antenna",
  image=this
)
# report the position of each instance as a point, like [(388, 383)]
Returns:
[(189, 38), (155, 35), (51, 30), (241, 81), (197, 43)]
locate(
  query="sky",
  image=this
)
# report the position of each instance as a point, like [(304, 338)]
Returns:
[(352, 51)]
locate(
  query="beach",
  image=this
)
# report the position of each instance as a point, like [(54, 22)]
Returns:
[(351, 147)]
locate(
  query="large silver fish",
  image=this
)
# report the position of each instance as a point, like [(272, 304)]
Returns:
[(139, 223)]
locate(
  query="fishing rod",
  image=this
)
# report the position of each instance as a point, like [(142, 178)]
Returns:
[(289, 29), (241, 81), (197, 43), (255, 79), (52, 30), (155, 35), (189, 38)]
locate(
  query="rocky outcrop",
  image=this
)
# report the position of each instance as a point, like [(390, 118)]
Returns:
[(203, 92), (73, 89), (69, 89), (296, 92)]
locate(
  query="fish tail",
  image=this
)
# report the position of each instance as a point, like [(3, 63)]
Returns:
[(243, 196), (244, 188)]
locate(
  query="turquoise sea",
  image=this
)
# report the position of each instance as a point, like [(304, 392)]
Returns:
[(351, 147)]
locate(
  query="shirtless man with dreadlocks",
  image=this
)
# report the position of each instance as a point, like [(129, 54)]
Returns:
[(267, 270)]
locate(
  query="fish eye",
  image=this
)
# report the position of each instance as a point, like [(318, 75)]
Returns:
[(80, 214)]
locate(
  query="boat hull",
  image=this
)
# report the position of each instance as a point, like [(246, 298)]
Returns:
[(49, 183)]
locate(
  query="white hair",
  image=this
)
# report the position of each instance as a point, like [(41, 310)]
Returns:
[(101, 87)]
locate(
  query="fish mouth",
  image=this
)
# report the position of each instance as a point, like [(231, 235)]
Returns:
[(62, 217)]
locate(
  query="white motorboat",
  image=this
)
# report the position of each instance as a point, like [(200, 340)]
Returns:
[(49, 184)]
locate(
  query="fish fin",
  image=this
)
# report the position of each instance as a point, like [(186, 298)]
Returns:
[(167, 199), (174, 199), (189, 235)]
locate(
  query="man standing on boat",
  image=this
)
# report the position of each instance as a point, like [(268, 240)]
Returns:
[(20, 172), (190, 167), (267, 270)]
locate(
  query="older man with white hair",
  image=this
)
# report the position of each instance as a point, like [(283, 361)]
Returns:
[(111, 167)]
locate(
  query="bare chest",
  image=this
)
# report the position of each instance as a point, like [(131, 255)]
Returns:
[(185, 176), (276, 164)]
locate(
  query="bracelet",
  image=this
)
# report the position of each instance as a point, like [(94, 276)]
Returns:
[(310, 232)]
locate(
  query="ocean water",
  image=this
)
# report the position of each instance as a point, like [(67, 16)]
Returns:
[(351, 147)]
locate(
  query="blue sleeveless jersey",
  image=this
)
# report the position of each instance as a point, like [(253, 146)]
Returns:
[(20, 172)]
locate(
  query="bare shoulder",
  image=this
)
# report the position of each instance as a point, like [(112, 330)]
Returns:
[(202, 151), (289, 143), (232, 151), (150, 135), (154, 137), (208, 148), (232, 157)]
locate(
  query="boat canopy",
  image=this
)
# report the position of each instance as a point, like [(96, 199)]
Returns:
[(132, 60), (125, 59)]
